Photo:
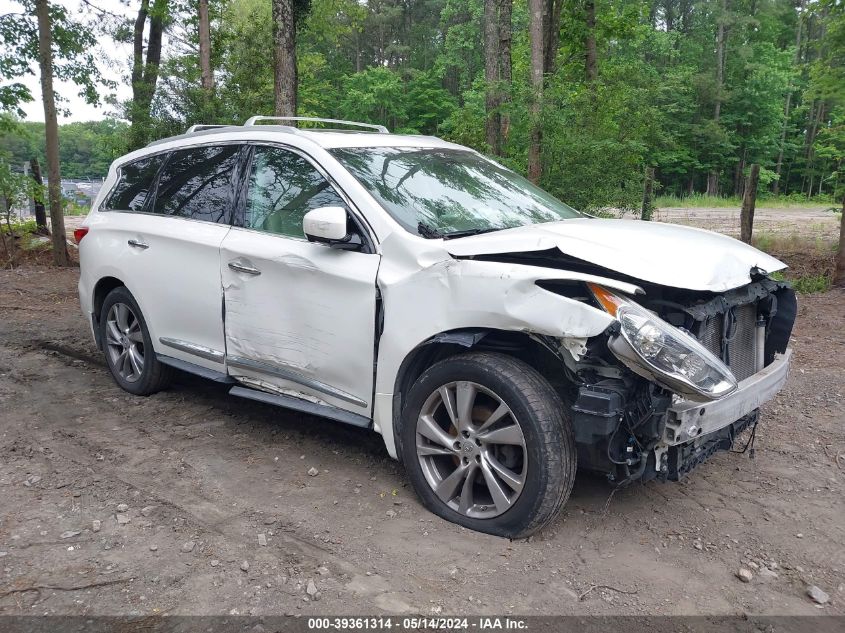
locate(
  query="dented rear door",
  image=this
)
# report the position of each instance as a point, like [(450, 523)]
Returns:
[(299, 316)]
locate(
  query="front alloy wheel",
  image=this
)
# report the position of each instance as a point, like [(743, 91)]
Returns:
[(471, 449), (487, 444)]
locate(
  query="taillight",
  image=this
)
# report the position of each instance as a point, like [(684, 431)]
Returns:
[(79, 233)]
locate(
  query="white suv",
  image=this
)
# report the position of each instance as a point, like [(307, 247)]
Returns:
[(492, 335)]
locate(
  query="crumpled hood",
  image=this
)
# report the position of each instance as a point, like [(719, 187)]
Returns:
[(664, 254)]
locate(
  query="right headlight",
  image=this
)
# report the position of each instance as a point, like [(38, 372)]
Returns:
[(653, 348)]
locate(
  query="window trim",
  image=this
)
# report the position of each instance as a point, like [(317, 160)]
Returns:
[(239, 214)]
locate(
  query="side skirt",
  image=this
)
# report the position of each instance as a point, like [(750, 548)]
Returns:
[(203, 372), (297, 404)]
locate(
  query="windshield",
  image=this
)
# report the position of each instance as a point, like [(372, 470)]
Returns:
[(447, 192)]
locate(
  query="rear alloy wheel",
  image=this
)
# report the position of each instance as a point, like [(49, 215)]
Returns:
[(487, 444), (125, 342), (127, 346)]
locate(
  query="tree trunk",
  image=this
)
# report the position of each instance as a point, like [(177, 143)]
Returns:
[(739, 179), (788, 105), (551, 30), (284, 58), (713, 183), (669, 14), (145, 71), (505, 67), (721, 37), (206, 75), (536, 8), (590, 54), (648, 194), (746, 215), (839, 272), (40, 213), (51, 128), (686, 10), (492, 124), (816, 117)]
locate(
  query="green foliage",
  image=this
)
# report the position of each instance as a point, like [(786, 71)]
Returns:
[(86, 149), (418, 67), (72, 57), (16, 189)]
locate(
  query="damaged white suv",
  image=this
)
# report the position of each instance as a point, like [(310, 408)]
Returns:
[(495, 337)]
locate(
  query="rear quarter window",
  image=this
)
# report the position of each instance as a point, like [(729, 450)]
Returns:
[(196, 183), (134, 184)]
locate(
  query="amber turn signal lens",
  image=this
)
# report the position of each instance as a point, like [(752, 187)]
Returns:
[(609, 301)]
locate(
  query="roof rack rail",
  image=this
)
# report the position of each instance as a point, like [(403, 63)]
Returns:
[(379, 128), (202, 126)]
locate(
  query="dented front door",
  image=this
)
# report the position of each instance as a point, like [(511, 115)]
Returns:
[(299, 316)]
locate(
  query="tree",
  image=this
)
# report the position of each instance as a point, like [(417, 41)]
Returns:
[(536, 8), (505, 67), (51, 127), (145, 70), (789, 95), (44, 33), (492, 75), (284, 58), (205, 49), (721, 42), (40, 212), (590, 53), (15, 192), (828, 85)]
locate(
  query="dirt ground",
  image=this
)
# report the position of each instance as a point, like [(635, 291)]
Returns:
[(223, 517), (814, 222)]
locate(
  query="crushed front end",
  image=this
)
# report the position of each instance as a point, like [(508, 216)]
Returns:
[(678, 377)]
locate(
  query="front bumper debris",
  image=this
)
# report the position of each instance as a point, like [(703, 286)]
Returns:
[(687, 420)]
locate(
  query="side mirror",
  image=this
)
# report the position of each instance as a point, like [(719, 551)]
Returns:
[(326, 224)]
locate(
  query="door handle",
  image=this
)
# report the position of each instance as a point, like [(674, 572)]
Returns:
[(138, 244), (241, 268)]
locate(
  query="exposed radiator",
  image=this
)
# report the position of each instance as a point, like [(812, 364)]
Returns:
[(742, 343)]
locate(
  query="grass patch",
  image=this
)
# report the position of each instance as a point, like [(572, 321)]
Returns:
[(777, 202), (805, 284), (811, 260), (72, 208), (26, 227)]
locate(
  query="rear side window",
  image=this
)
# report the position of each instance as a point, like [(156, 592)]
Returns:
[(134, 184), (196, 183)]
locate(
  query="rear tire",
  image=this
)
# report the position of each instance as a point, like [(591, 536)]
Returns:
[(128, 348), (488, 445)]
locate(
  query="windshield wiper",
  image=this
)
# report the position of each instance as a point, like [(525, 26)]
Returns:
[(428, 232), (431, 233), (466, 232)]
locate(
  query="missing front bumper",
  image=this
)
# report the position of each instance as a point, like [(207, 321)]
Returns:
[(688, 420)]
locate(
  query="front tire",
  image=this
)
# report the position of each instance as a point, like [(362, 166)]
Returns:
[(487, 444), (128, 348)]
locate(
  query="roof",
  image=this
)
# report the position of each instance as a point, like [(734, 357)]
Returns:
[(327, 139)]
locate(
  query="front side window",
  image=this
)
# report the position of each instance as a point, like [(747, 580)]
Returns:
[(437, 192), (282, 188), (134, 184), (196, 183)]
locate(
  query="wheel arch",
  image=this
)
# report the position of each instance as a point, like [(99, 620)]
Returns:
[(455, 342), (101, 290)]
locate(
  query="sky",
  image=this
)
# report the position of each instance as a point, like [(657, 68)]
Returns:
[(112, 59)]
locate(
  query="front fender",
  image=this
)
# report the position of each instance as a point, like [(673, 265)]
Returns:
[(422, 301)]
